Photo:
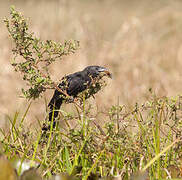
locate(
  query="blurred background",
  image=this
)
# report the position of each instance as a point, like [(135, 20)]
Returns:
[(139, 41)]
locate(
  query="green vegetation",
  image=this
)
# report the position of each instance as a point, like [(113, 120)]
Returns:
[(153, 146), (138, 142), (36, 55)]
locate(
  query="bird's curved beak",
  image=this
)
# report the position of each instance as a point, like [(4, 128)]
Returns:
[(106, 72)]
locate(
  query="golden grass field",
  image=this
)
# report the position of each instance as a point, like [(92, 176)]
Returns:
[(139, 41)]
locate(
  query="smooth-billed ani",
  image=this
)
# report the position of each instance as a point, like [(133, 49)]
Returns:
[(73, 84)]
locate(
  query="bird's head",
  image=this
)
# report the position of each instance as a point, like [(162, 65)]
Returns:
[(98, 71)]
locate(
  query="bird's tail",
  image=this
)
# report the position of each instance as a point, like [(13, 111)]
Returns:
[(54, 106)]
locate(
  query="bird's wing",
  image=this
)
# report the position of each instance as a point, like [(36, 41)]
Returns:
[(76, 85)]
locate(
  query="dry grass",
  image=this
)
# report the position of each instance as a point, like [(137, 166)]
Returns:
[(139, 42)]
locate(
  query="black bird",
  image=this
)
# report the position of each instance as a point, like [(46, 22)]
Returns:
[(73, 84)]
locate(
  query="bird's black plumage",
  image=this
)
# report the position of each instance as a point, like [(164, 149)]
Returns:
[(74, 84)]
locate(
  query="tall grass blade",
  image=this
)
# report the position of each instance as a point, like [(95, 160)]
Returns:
[(76, 158), (25, 114), (160, 154), (94, 165)]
